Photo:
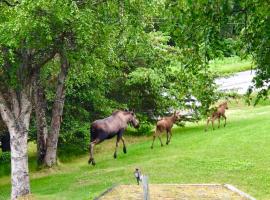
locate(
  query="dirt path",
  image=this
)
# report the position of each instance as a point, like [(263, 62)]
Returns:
[(173, 192)]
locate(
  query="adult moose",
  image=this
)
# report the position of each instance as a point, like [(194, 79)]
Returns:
[(217, 114), (107, 128), (165, 124)]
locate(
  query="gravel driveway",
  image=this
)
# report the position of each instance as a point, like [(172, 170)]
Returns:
[(238, 82)]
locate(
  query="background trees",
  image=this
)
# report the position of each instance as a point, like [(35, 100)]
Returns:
[(256, 39)]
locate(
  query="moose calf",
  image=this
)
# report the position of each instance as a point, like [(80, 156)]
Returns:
[(217, 114), (165, 124)]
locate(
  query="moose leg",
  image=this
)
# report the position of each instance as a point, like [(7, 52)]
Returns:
[(213, 120), (154, 137), (91, 147), (170, 136), (218, 122), (156, 133), (207, 123), (160, 140), (124, 145), (167, 133), (116, 146), (225, 118)]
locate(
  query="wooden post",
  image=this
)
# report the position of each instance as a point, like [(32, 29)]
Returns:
[(146, 195)]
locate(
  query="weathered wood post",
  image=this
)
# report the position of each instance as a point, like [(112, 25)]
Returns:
[(146, 195)]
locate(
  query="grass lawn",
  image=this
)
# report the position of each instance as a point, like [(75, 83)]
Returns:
[(230, 65), (237, 154)]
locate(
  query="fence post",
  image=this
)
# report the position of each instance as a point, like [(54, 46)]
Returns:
[(146, 195)]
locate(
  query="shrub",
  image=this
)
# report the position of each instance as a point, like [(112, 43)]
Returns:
[(146, 128), (74, 141), (5, 157)]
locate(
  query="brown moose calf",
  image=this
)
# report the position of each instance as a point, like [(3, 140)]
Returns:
[(220, 112), (165, 124)]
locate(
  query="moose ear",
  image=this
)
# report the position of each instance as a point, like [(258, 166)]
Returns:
[(126, 109)]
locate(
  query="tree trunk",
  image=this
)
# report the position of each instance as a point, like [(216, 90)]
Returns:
[(19, 160), (57, 111), (41, 122), (17, 120)]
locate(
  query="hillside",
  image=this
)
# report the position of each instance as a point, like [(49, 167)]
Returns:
[(237, 154)]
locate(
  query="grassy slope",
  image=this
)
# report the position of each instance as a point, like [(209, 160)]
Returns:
[(237, 154), (230, 65)]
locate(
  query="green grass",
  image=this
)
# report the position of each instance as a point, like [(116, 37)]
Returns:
[(230, 65), (237, 154)]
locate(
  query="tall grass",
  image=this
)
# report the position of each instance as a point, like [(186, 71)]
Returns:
[(230, 65)]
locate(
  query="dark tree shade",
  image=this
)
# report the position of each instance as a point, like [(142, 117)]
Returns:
[(5, 141)]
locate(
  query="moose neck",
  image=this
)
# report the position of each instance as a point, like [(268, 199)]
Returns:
[(173, 118), (123, 116)]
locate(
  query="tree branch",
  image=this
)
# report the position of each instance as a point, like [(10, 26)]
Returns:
[(4, 110), (9, 4), (26, 109), (15, 103), (47, 58)]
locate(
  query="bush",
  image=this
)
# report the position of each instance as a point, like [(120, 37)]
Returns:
[(146, 128), (5, 157), (74, 141)]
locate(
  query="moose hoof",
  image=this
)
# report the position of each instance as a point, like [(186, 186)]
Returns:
[(125, 150), (115, 155), (92, 161)]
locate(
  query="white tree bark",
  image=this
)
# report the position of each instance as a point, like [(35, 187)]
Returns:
[(17, 120)]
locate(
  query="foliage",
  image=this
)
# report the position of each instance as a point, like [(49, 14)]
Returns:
[(199, 27), (146, 128), (256, 38), (131, 66), (122, 60), (5, 157), (98, 81), (75, 136), (32, 30), (155, 90), (217, 29)]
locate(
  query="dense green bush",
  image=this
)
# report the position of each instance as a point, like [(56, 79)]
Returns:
[(5, 157), (146, 128), (74, 139)]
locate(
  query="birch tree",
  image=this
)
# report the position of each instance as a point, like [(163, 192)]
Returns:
[(30, 35)]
